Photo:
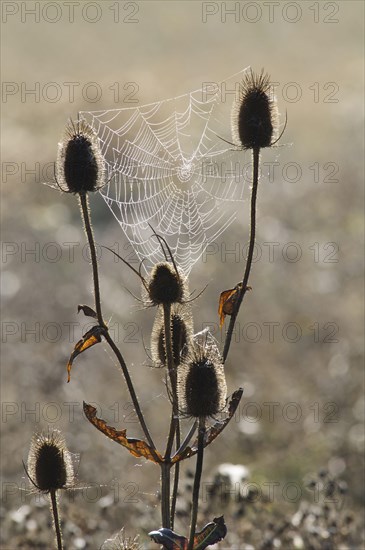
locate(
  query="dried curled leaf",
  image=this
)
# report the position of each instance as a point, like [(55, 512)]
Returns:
[(227, 301), (90, 338), (212, 533), (136, 447), (169, 539), (87, 311), (212, 432)]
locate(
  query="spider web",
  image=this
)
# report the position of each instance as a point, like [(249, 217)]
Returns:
[(168, 167)]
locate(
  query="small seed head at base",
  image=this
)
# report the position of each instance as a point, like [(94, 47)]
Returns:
[(202, 389), (50, 465), (181, 332), (80, 164), (254, 113), (121, 542), (166, 286)]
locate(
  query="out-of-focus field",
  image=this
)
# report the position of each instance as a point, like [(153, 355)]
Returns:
[(298, 351)]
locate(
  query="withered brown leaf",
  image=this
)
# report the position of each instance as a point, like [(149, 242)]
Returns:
[(227, 300), (136, 447), (212, 533), (90, 338), (87, 311)]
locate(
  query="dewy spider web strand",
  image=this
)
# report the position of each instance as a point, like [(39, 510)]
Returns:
[(167, 166)]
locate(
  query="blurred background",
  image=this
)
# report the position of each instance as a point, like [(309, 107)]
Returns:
[(298, 348)]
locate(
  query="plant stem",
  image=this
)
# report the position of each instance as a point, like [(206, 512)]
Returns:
[(198, 475), (256, 160), (89, 233), (165, 495), (187, 439), (175, 423), (175, 488), (84, 201), (56, 519), (169, 353)]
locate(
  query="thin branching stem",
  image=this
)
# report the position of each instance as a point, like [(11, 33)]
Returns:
[(174, 424), (56, 519), (174, 431), (256, 159), (169, 353), (187, 439), (175, 486), (197, 479), (170, 438), (180, 449), (166, 468), (165, 494), (84, 201), (94, 262)]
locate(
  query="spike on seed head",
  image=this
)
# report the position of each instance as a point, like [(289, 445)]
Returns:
[(49, 462), (254, 114), (166, 286), (202, 389), (80, 165)]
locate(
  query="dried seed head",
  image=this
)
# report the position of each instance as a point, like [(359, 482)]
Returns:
[(166, 286), (254, 114), (80, 165), (181, 332), (49, 462), (121, 542), (202, 389)]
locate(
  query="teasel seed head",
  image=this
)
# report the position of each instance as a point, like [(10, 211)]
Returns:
[(166, 285), (181, 331), (202, 389), (121, 542), (254, 113), (80, 164), (50, 465)]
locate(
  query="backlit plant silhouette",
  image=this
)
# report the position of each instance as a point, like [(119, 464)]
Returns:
[(195, 368)]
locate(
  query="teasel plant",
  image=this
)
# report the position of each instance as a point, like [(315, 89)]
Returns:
[(202, 394), (166, 288), (171, 337), (194, 370), (80, 169), (254, 126), (50, 470)]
